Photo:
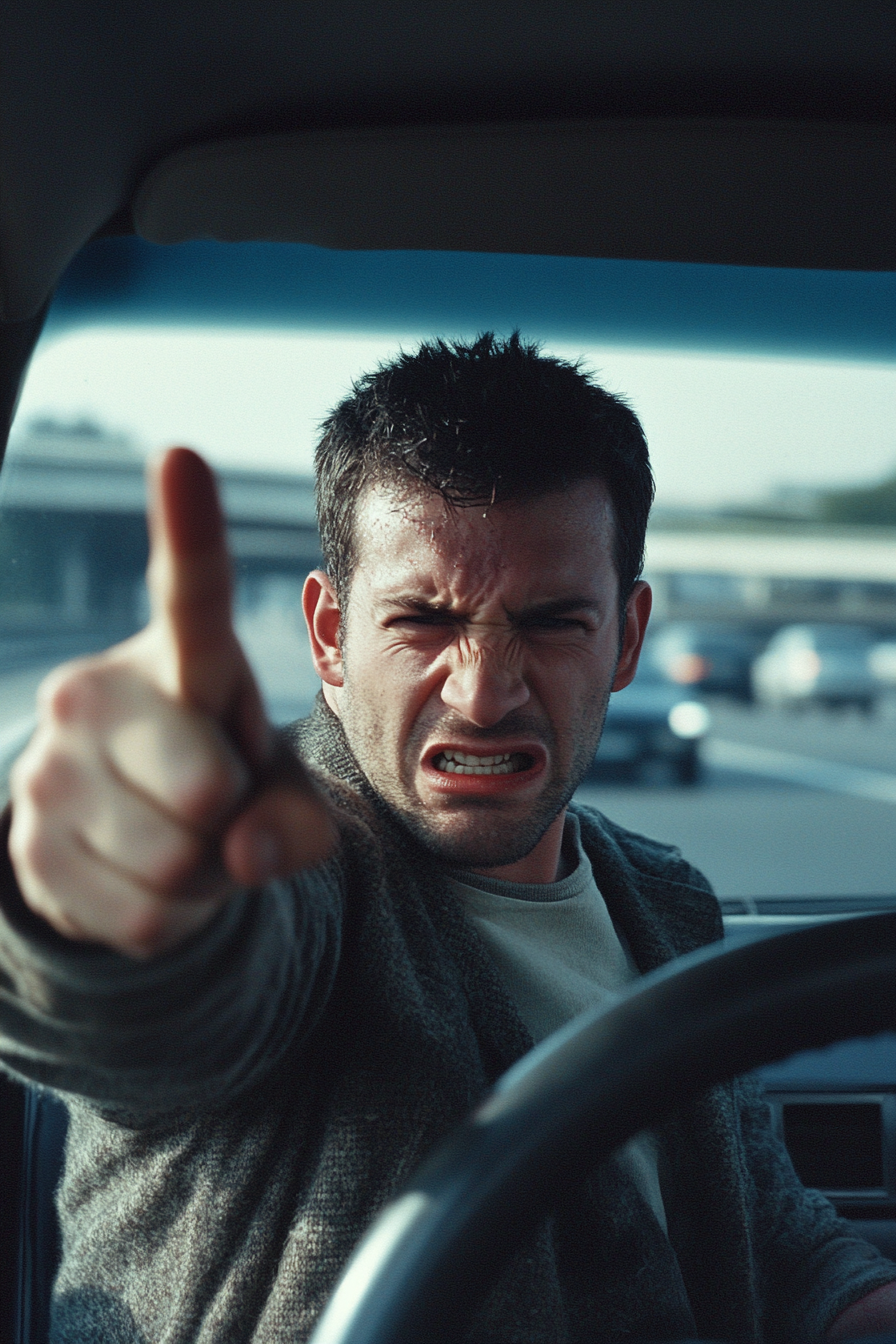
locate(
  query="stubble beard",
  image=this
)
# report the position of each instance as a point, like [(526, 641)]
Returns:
[(489, 837)]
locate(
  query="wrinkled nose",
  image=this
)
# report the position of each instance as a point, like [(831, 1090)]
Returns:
[(484, 686)]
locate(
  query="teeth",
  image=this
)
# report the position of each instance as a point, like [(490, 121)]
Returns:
[(465, 758), (465, 763)]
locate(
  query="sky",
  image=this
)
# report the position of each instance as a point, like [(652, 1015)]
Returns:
[(722, 429)]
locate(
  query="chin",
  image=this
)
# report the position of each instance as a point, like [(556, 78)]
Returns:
[(477, 842)]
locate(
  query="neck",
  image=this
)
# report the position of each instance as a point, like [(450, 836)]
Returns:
[(545, 863)]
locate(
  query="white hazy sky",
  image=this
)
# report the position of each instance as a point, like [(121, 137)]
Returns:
[(721, 428)]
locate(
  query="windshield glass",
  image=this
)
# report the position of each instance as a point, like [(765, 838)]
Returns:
[(775, 506)]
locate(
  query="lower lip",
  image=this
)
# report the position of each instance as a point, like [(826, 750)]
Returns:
[(480, 785)]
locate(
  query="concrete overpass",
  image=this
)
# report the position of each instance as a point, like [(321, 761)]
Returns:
[(73, 546), (73, 543), (770, 578)]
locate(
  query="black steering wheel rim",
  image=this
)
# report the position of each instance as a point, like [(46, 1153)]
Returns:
[(428, 1259)]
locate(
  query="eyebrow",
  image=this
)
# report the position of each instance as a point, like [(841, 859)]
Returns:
[(560, 606)]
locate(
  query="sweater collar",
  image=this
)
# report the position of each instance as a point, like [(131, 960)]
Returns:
[(664, 907), (321, 741)]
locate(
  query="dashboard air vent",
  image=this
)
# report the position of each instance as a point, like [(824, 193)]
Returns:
[(836, 1145)]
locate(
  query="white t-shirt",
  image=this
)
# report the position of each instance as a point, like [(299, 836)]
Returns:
[(559, 954)]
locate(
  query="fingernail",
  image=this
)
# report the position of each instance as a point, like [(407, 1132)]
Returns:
[(266, 853)]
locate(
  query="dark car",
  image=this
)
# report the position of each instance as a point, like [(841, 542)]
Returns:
[(707, 654), (652, 731)]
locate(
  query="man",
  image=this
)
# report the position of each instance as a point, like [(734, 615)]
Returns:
[(266, 996)]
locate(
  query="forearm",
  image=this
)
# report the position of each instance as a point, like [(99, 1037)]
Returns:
[(189, 1028)]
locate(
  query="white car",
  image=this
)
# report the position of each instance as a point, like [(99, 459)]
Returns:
[(817, 664)]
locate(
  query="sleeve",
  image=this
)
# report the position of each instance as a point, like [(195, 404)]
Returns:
[(194, 1028), (812, 1266)]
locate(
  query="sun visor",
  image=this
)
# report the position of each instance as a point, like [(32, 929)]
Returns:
[(756, 193)]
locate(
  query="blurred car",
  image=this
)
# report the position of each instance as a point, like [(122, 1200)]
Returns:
[(709, 654), (817, 664), (652, 731), (882, 661)]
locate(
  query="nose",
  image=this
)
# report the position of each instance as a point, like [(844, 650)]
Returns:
[(484, 686)]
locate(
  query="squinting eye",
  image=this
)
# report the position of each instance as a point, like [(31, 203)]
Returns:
[(557, 623), (422, 620)]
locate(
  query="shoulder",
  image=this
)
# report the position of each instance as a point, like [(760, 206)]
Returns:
[(664, 905), (653, 858)]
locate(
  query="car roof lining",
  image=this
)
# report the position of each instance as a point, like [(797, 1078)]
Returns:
[(763, 193), (97, 100), (760, 192), (94, 98)]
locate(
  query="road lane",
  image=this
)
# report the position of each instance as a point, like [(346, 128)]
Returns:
[(847, 737), (792, 804), (809, 771), (756, 838)]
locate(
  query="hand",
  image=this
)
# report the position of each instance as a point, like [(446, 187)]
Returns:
[(873, 1315), (152, 789)]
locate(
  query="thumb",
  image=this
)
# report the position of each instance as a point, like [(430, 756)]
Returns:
[(191, 594), (285, 827)]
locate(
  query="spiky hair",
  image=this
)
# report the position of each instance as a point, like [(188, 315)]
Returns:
[(480, 423)]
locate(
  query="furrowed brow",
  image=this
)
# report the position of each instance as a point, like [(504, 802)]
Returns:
[(561, 606), (419, 604)]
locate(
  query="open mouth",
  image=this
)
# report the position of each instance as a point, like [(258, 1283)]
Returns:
[(466, 763)]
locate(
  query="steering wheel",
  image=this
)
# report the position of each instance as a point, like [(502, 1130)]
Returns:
[(428, 1259)]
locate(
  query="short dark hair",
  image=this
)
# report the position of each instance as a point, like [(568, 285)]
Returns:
[(480, 423)]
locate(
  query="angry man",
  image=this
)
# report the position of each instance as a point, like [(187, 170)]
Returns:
[(268, 972)]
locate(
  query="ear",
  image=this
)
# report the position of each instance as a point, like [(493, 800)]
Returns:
[(322, 616), (637, 614)]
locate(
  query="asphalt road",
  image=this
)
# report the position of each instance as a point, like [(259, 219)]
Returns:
[(790, 804)]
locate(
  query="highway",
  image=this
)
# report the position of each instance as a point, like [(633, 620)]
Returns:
[(790, 805)]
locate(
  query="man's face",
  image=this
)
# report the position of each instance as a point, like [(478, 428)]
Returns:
[(479, 649)]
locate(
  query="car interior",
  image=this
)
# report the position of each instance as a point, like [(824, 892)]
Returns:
[(634, 170)]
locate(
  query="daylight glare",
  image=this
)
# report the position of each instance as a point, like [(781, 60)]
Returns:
[(722, 428)]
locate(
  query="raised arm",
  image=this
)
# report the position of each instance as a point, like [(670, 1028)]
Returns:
[(152, 790)]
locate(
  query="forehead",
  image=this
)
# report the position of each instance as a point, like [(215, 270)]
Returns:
[(408, 537)]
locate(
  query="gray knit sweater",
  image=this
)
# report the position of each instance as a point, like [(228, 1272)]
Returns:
[(242, 1107)]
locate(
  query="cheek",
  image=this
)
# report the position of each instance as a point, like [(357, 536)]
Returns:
[(571, 664), (389, 676), (571, 685)]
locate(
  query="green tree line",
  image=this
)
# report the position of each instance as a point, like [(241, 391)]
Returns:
[(871, 504)]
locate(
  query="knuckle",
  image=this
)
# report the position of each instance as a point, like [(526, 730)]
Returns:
[(145, 930), (36, 854), (212, 791), (50, 779), (55, 914), (37, 863), (70, 693)]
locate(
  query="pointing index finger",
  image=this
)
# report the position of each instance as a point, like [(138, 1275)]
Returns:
[(190, 582)]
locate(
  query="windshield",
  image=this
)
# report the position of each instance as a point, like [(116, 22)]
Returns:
[(775, 507)]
